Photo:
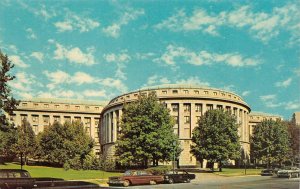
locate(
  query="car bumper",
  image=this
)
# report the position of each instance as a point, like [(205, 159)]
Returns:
[(115, 182)]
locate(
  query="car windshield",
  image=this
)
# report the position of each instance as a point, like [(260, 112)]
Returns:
[(128, 173)]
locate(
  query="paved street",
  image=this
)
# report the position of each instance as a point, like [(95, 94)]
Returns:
[(211, 181)]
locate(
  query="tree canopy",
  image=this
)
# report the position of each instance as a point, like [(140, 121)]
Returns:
[(59, 143), (216, 137), (146, 133), (270, 142), (294, 133)]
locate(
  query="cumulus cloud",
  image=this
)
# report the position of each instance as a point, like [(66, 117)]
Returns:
[(174, 53), (292, 105), (18, 61), (261, 25), (30, 34), (120, 60), (41, 12), (193, 81), (76, 22), (74, 55), (94, 93), (114, 29), (246, 93), (38, 55), (157, 80), (284, 83), (24, 82), (270, 101)]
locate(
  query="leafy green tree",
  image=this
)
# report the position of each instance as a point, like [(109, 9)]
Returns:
[(294, 133), (60, 143), (146, 133), (26, 141), (270, 142), (8, 135), (216, 137)]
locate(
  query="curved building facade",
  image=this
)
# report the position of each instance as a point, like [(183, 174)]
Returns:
[(186, 104)]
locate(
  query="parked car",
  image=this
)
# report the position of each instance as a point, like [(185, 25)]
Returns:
[(178, 176), (135, 177), (289, 172), (267, 172), (16, 179)]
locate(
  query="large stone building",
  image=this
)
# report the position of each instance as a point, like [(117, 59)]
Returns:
[(296, 118), (102, 120), (40, 113), (187, 104)]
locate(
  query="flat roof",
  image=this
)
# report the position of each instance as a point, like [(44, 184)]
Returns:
[(67, 101), (264, 114)]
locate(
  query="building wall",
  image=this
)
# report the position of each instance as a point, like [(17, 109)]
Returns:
[(41, 113), (296, 118), (187, 105)]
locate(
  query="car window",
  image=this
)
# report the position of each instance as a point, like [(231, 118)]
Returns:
[(3, 175)]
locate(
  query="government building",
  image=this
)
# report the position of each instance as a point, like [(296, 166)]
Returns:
[(102, 120)]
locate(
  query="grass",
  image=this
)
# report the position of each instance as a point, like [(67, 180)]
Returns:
[(238, 172), (43, 171)]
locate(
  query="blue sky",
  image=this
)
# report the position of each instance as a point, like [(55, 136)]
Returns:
[(99, 49)]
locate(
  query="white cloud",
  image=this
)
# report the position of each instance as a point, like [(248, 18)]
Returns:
[(120, 60), (261, 25), (18, 61), (157, 80), (193, 81), (114, 29), (114, 83), (76, 22), (30, 34), (94, 93), (268, 97), (284, 83), (246, 93), (38, 55), (75, 55), (174, 53), (270, 101), (292, 105), (81, 78), (40, 12), (144, 56), (23, 82)]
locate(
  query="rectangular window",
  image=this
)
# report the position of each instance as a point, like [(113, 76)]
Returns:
[(186, 107), (187, 119), (215, 93), (235, 111), (56, 118), (206, 92), (196, 92), (198, 108), (175, 107), (87, 107), (56, 106), (67, 119), (164, 92), (77, 107), (46, 119), (67, 106), (77, 119), (198, 118), (35, 118), (176, 120), (175, 91), (24, 104), (46, 105), (96, 108), (209, 106), (186, 91), (87, 124), (219, 107), (35, 104), (23, 117), (228, 109), (97, 121)]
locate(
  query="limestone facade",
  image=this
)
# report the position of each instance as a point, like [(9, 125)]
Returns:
[(187, 104)]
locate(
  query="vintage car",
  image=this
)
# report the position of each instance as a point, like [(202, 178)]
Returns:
[(178, 176), (16, 179), (267, 172), (135, 177), (289, 172)]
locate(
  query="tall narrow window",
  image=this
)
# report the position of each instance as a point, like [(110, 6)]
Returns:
[(198, 108), (186, 107), (175, 107), (187, 119)]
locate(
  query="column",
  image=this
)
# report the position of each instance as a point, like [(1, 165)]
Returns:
[(109, 127), (180, 120), (115, 126), (193, 117)]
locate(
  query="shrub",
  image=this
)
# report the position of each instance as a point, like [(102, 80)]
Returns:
[(67, 166), (159, 170)]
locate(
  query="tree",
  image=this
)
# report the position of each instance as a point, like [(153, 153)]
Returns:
[(8, 135), (294, 133), (270, 142), (216, 137), (26, 141), (60, 143), (146, 133)]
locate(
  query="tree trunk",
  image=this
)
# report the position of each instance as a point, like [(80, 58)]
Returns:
[(220, 166)]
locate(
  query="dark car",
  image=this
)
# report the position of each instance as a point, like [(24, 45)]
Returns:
[(16, 179), (178, 176), (135, 177), (267, 172)]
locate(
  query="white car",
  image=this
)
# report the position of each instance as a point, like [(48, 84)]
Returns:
[(289, 172)]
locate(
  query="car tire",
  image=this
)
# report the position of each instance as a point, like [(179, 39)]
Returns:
[(171, 181), (126, 183), (152, 182), (188, 180)]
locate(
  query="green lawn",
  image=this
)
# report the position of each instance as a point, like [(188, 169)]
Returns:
[(43, 171), (238, 172)]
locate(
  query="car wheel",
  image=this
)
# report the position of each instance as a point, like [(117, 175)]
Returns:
[(126, 183), (152, 182), (171, 181), (188, 180)]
